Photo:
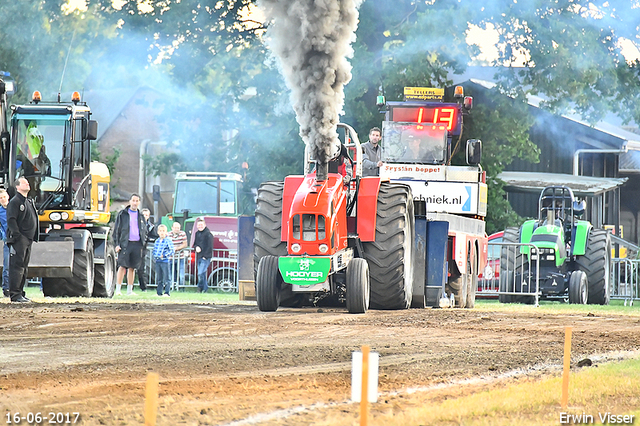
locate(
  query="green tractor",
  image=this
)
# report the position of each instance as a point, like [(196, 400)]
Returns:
[(569, 257)]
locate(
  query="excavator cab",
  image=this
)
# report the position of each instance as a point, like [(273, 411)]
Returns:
[(51, 149)]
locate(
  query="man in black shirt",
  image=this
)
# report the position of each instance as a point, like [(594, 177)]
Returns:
[(203, 245), (22, 230)]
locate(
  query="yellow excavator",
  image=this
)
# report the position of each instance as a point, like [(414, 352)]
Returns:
[(50, 145)]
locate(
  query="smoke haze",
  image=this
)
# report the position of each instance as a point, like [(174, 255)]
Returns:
[(312, 40)]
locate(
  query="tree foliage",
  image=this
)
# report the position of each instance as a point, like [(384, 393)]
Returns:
[(227, 103)]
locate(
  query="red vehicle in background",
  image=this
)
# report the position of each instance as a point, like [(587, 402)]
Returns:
[(489, 278), (223, 269), (216, 197)]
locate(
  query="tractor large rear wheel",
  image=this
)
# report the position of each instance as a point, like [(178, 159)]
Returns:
[(267, 234), (390, 256), (81, 283), (596, 263)]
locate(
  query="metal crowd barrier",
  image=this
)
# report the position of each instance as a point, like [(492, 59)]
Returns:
[(498, 278), (625, 282), (222, 273)]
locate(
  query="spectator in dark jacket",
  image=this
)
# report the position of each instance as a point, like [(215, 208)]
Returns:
[(23, 229), (130, 234), (4, 202), (203, 246)]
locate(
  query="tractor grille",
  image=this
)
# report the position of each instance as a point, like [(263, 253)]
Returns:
[(310, 227)]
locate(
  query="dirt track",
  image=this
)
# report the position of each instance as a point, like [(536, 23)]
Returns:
[(224, 363)]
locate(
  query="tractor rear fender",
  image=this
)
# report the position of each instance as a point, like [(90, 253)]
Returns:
[(580, 237), (367, 208)]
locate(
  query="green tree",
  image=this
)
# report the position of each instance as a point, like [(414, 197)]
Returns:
[(39, 45), (569, 52), (229, 104), (420, 44)]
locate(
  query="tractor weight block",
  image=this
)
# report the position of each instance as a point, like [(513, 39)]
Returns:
[(435, 270), (51, 259)]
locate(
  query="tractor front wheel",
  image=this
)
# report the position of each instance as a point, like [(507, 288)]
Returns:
[(578, 288), (80, 284), (105, 274), (358, 286), (268, 283), (459, 288)]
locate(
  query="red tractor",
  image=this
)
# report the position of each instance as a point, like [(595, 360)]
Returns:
[(318, 238), (363, 244)]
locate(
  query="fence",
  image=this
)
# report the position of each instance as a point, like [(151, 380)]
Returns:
[(222, 272), (507, 275), (625, 280), (518, 276)]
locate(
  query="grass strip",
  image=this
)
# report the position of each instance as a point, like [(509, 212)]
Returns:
[(594, 392)]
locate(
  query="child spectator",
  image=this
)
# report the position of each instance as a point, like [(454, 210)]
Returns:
[(162, 252), (179, 239)]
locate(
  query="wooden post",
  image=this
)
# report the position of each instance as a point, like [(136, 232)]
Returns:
[(364, 399), (566, 367), (151, 400)]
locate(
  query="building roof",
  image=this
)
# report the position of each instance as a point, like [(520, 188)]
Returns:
[(582, 186)]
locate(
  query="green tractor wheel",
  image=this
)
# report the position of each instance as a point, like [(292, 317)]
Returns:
[(578, 288)]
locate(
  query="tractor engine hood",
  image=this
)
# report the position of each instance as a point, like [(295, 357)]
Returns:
[(317, 222), (549, 239)]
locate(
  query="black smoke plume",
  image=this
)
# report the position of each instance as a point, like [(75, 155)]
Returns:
[(312, 40)]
